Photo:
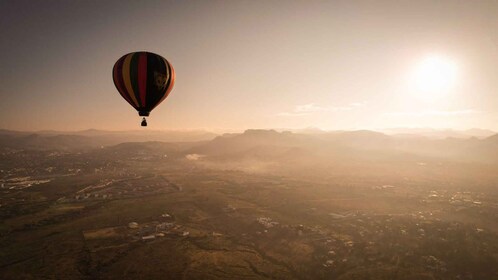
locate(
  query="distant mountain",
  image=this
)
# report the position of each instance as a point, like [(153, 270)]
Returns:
[(493, 138), (359, 139), (477, 132), (439, 133), (150, 135), (4, 132), (307, 130), (47, 140), (41, 142), (237, 143), (154, 148), (346, 145), (265, 145)]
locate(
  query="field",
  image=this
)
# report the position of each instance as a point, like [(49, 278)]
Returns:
[(142, 216)]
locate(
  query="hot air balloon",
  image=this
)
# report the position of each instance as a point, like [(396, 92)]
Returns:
[(144, 80)]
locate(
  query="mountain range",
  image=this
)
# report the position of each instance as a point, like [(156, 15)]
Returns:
[(267, 144)]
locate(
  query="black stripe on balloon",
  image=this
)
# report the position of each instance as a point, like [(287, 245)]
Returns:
[(134, 78), (167, 73), (155, 72), (151, 86), (164, 69)]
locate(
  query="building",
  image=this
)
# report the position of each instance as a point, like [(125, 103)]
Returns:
[(133, 225)]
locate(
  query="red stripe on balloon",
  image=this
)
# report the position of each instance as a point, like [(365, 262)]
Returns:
[(172, 79), (142, 77)]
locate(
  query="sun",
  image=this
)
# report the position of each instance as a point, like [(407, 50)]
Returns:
[(434, 77)]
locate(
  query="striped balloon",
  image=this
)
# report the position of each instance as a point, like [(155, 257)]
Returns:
[(143, 79)]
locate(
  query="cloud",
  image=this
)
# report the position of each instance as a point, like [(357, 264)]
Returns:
[(291, 114), (435, 113), (310, 108), (358, 104)]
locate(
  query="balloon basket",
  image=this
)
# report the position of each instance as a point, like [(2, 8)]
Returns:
[(144, 122)]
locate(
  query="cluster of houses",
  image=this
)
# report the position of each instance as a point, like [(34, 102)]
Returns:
[(156, 229), (267, 222)]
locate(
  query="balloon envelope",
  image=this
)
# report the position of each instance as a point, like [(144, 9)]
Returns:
[(143, 79)]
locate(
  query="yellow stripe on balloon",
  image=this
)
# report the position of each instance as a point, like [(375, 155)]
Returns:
[(170, 77), (127, 80)]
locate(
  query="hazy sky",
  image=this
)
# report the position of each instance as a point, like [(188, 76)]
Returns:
[(250, 64)]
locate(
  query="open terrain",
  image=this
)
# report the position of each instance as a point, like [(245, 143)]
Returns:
[(256, 205)]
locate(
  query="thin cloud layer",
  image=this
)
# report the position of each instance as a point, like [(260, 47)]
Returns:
[(435, 113), (311, 108)]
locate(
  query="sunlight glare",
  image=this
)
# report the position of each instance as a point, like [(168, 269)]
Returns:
[(434, 77)]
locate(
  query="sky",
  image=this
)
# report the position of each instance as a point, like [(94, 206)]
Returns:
[(253, 64)]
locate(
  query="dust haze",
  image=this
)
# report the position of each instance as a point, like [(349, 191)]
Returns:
[(259, 204), (340, 139)]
